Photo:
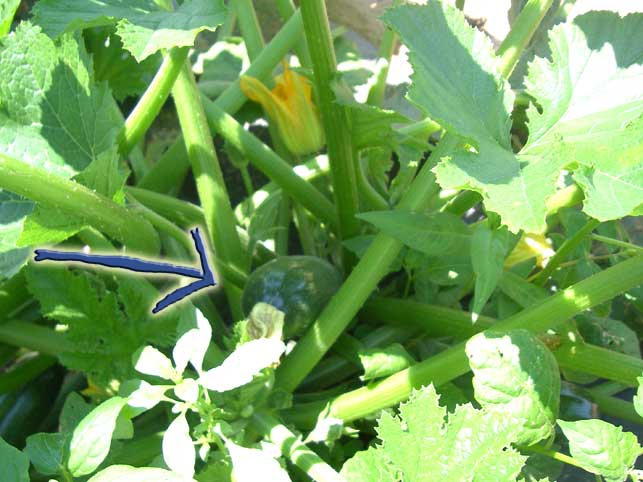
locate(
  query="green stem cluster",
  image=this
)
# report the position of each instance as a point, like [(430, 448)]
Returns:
[(76, 200), (210, 185), (452, 363), (335, 118)]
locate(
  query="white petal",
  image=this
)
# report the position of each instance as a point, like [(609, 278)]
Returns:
[(243, 364), (193, 344), (150, 361), (178, 449), (250, 465)]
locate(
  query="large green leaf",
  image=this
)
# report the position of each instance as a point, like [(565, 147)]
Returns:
[(55, 117), (127, 473), (46, 451), (602, 448), (421, 445), (517, 375), (143, 27), (587, 120)]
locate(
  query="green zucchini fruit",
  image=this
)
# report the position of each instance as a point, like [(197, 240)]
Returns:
[(300, 286), (30, 406)]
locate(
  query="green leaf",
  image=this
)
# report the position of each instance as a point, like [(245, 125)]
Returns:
[(178, 448), (516, 375), (7, 11), (589, 122), (607, 333), (40, 126), (92, 437), (46, 450), (433, 234), (381, 362), (13, 211), (420, 445), (142, 26), (367, 466), (488, 251), (74, 410), (602, 448), (15, 464), (127, 77), (105, 328), (127, 473), (638, 398), (454, 77)]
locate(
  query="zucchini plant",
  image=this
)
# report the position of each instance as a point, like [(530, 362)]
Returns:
[(438, 279)]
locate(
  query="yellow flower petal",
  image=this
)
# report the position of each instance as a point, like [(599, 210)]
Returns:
[(290, 106)]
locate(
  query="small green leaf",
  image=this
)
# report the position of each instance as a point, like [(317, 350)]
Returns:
[(178, 448), (15, 464), (638, 398), (126, 473), (46, 451), (368, 466), (92, 437), (488, 251), (381, 362), (142, 26), (432, 234), (517, 375), (602, 448), (74, 410)]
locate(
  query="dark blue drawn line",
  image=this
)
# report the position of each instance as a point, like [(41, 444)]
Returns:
[(204, 276)]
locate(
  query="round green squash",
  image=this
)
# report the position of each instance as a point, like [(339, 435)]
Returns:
[(300, 286)]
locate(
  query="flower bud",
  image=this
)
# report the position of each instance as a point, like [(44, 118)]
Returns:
[(289, 105)]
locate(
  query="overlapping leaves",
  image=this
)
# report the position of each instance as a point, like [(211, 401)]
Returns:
[(587, 117), (143, 27)]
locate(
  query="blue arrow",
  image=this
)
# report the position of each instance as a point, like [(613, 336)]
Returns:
[(204, 276)]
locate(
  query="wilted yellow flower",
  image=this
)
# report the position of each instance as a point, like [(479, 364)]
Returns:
[(530, 246), (290, 106)]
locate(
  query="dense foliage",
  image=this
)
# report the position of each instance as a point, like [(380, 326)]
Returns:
[(438, 280)]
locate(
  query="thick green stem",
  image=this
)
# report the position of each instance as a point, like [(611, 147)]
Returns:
[(373, 266), (286, 9), (188, 215), (249, 26), (80, 202), (174, 163), (564, 251), (520, 35), (453, 362), (439, 321), (33, 337), (335, 117), (149, 105), (292, 447), (213, 195), (612, 406), (600, 362), (273, 166)]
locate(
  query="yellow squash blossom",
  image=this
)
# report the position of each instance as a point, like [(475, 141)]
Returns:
[(530, 246), (290, 106)]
